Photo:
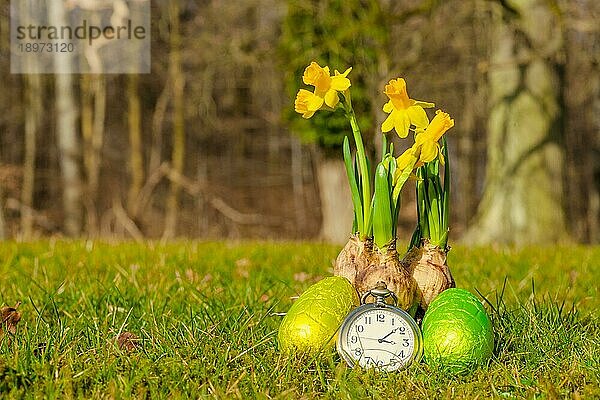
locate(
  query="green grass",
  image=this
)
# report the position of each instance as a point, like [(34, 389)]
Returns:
[(206, 314)]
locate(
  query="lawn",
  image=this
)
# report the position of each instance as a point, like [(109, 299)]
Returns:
[(207, 314)]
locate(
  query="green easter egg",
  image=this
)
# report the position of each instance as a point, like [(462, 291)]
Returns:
[(312, 321), (457, 333)]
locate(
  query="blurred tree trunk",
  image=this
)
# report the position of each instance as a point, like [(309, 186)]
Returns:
[(33, 112), (582, 99), (177, 79), (136, 160), (522, 200), (297, 172), (87, 128), (336, 201), (93, 110), (134, 121), (66, 115), (466, 140)]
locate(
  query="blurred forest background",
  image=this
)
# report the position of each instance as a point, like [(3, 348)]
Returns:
[(208, 144)]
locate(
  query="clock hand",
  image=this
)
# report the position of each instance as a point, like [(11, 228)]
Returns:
[(386, 341), (379, 340), (386, 336)]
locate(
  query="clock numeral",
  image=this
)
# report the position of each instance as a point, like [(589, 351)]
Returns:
[(354, 339), (360, 328), (358, 352), (405, 343), (393, 321), (380, 318), (368, 320), (401, 354), (402, 330), (372, 361)]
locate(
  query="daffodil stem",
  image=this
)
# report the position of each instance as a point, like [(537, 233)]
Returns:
[(358, 225), (432, 202), (365, 182)]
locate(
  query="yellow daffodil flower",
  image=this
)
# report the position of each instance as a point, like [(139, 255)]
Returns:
[(326, 89), (301, 103), (403, 110), (428, 139), (426, 147), (407, 158)]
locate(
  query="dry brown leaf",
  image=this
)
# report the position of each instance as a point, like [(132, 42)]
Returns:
[(128, 341), (9, 318)]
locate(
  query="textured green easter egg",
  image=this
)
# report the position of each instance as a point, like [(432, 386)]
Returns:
[(312, 321), (457, 333)]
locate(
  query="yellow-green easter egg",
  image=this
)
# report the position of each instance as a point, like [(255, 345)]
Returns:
[(457, 333), (312, 321)]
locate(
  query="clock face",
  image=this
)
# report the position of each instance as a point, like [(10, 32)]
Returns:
[(383, 338)]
